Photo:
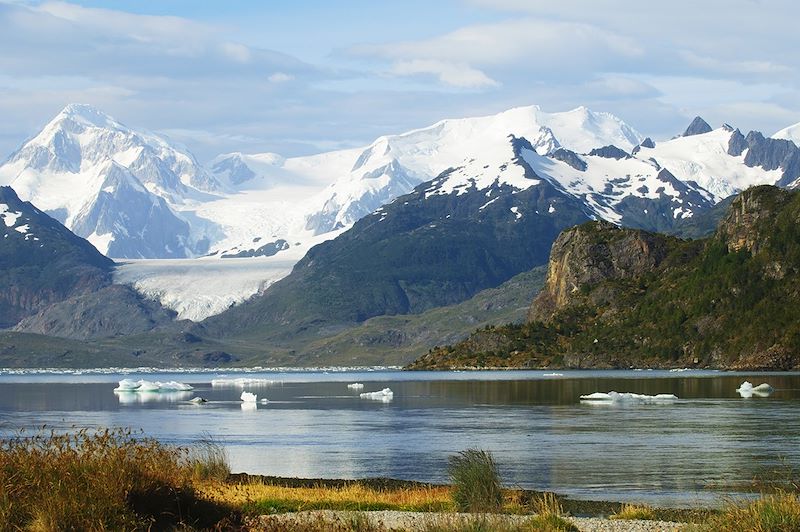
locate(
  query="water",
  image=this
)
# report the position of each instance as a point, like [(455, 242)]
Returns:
[(694, 451)]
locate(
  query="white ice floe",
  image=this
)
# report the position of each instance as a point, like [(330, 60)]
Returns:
[(679, 370), (248, 397), (747, 390), (553, 375), (241, 382), (615, 397), (386, 395), (140, 386), (152, 397), (198, 400), (356, 386), (249, 406), (264, 401)]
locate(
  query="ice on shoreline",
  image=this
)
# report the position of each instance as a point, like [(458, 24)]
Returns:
[(386, 395), (355, 386), (747, 390), (616, 397), (241, 382), (129, 385)]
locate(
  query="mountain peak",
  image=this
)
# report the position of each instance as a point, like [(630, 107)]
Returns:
[(87, 115), (697, 127)]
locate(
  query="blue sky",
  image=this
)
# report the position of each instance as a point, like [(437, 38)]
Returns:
[(307, 76)]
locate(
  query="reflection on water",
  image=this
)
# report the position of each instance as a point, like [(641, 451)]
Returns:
[(685, 451), (135, 397)]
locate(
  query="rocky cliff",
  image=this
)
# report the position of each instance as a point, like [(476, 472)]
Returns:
[(618, 298), (589, 254)]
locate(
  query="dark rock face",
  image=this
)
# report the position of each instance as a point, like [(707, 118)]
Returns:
[(697, 127), (110, 311), (737, 144), (769, 154), (748, 223), (648, 143), (41, 261), (592, 253), (570, 157), (267, 250), (610, 152)]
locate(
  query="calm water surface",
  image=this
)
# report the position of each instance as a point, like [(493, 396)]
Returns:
[(688, 452)]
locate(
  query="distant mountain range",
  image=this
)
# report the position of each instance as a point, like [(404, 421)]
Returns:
[(411, 223)]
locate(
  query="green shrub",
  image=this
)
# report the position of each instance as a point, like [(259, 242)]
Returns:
[(476, 483)]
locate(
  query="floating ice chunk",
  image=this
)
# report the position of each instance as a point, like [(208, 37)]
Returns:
[(615, 397), (356, 386), (248, 397), (386, 395), (553, 375), (127, 385), (151, 397), (747, 390), (249, 406), (174, 386), (198, 400), (264, 401), (679, 370)]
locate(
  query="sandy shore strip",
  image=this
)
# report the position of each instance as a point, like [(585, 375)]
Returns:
[(394, 520)]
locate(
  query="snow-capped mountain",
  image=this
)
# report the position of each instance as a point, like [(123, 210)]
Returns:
[(85, 168), (136, 195), (789, 133)]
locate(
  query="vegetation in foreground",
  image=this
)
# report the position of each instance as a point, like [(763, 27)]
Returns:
[(115, 480), (104, 480)]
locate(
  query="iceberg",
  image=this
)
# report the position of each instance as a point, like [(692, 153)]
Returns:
[(198, 400), (249, 406), (248, 397), (128, 385), (355, 386), (616, 397), (386, 395), (747, 390)]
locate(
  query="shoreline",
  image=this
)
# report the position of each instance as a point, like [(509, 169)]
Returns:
[(582, 508)]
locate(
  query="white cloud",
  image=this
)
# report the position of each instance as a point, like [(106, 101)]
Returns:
[(457, 75), (280, 77)]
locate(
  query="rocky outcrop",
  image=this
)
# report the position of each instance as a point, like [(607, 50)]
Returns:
[(697, 127), (592, 253), (570, 157), (610, 152), (748, 224)]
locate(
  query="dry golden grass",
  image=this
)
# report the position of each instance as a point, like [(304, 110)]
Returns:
[(779, 512), (258, 497), (635, 512), (104, 480)]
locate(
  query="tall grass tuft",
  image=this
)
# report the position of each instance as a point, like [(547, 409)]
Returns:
[(778, 512), (94, 480), (208, 460), (476, 483)]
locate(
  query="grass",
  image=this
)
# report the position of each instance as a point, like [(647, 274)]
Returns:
[(256, 498), (476, 483), (635, 512), (777, 512), (103, 480), (208, 460)]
